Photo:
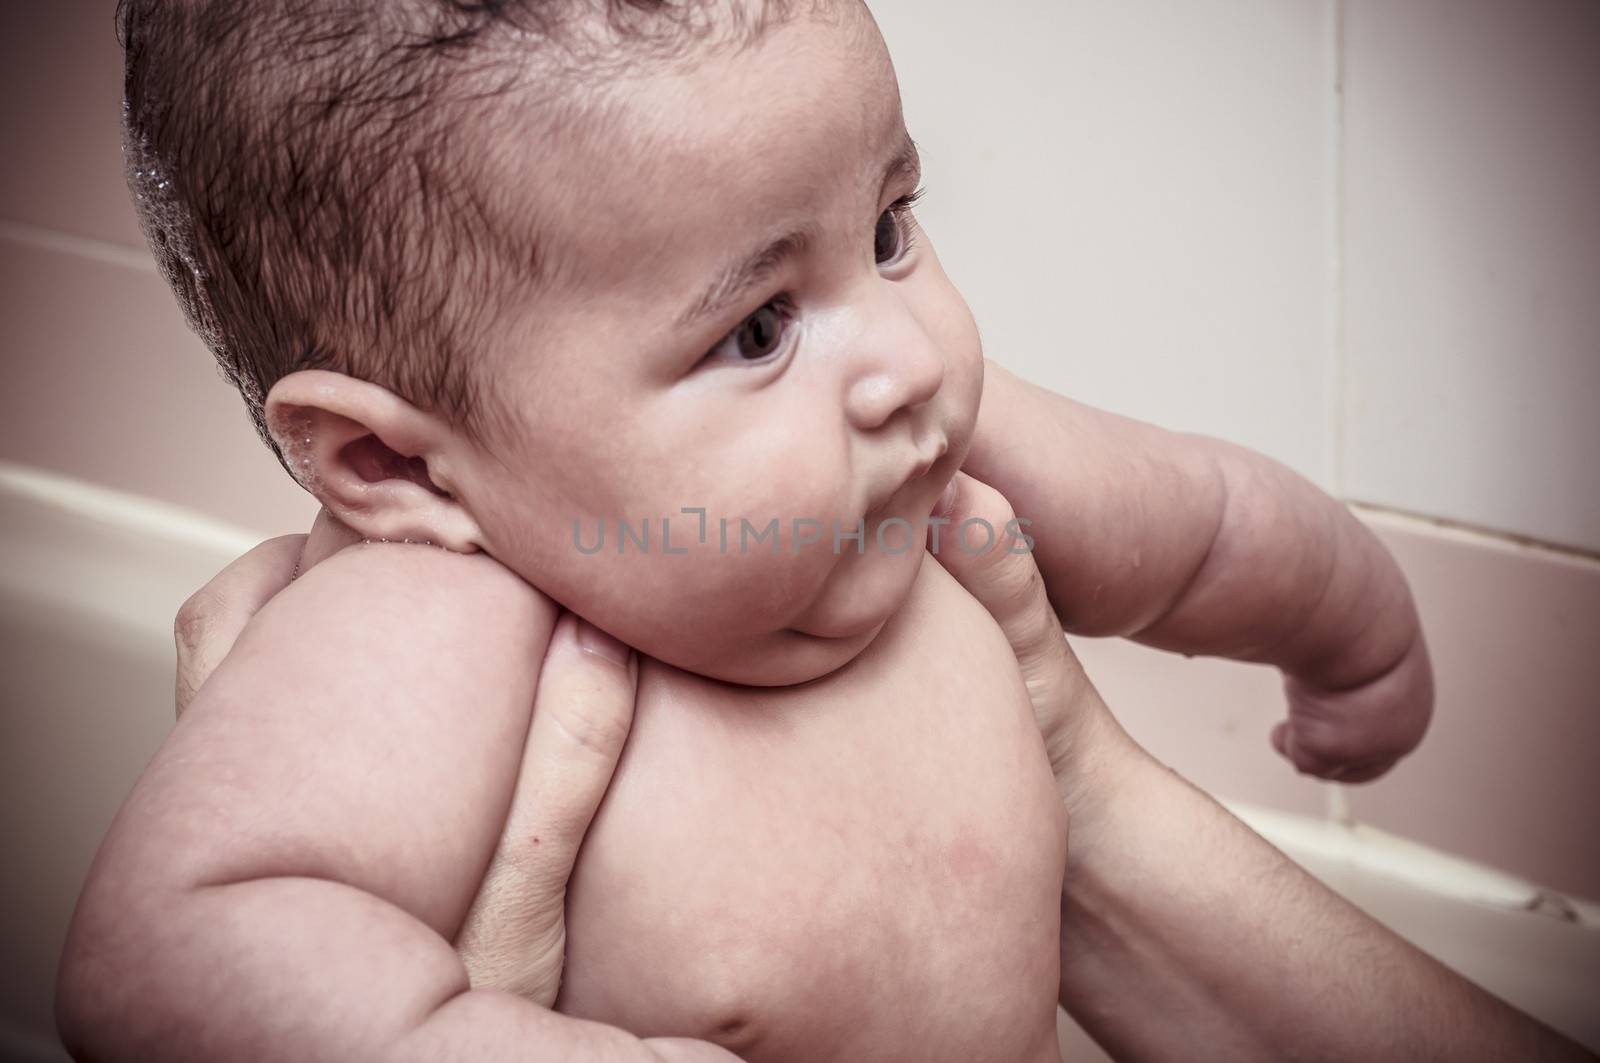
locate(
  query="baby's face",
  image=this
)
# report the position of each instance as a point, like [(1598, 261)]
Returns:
[(749, 323)]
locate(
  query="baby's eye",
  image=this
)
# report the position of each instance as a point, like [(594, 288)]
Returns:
[(887, 238), (891, 239), (757, 336)]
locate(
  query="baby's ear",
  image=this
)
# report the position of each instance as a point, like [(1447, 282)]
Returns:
[(375, 461)]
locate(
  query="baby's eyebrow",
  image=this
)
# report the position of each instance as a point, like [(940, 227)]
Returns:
[(907, 161), (733, 281)]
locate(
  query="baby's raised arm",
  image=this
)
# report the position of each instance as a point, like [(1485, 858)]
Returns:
[(287, 877), (1191, 544)]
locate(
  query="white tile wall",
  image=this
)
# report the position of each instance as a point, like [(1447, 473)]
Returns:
[(1472, 269), (1506, 773), (1134, 197)]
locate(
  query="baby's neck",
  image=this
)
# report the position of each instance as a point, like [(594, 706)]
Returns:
[(802, 658)]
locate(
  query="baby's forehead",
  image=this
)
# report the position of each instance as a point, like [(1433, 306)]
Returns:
[(662, 172)]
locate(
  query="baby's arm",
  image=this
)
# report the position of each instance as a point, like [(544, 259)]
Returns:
[(287, 877), (1191, 544)]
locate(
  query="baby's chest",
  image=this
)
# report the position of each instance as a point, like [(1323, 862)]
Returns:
[(816, 872)]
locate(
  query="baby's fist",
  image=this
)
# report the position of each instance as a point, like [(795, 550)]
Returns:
[(1357, 734)]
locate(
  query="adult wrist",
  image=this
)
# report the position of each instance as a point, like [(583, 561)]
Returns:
[(1103, 767)]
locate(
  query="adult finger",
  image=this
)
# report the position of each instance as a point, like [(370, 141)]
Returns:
[(515, 934), (209, 622), (328, 536), (1005, 579)]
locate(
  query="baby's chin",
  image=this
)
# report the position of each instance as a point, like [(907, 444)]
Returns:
[(783, 658), (861, 594)]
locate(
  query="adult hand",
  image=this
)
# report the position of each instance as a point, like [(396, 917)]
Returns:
[(515, 933), (209, 623), (1180, 927), (1080, 735)]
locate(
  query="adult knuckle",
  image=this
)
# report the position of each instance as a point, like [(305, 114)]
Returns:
[(1017, 589), (196, 618), (529, 857), (985, 499), (592, 724)]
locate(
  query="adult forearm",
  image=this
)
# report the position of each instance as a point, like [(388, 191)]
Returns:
[(1185, 935)]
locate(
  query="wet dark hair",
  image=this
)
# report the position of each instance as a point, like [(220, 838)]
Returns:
[(314, 176)]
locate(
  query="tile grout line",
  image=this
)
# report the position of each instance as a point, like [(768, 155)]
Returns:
[(1337, 407), (1475, 533), (1336, 806)]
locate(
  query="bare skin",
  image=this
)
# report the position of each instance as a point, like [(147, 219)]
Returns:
[(255, 863), (358, 827), (786, 786), (819, 885), (1152, 972)]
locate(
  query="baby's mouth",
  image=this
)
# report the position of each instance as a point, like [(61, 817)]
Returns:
[(926, 464), (923, 464)]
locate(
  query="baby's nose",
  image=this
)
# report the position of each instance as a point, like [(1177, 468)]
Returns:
[(906, 375)]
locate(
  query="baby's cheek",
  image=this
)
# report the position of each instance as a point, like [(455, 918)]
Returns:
[(964, 343), (947, 318), (749, 579), (963, 383)]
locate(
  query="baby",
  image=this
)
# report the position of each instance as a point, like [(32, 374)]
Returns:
[(630, 298)]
